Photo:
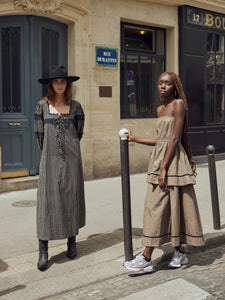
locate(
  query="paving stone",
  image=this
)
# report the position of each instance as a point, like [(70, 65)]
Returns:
[(205, 272)]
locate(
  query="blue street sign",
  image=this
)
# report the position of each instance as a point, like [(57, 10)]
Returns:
[(106, 57)]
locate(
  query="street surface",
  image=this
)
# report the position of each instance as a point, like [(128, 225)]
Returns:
[(97, 272), (205, 270)]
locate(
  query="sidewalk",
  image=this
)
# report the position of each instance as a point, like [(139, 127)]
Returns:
[(100, 242)]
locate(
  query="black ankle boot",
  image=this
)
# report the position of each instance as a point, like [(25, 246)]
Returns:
[(43, 255), (72, 249)]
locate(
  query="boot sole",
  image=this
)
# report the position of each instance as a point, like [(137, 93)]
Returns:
[(42, 268)]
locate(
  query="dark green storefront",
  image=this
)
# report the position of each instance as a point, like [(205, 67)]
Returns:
[(201, 54)]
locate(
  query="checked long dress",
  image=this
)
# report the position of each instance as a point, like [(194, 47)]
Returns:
[(173, 215), (60, 194)]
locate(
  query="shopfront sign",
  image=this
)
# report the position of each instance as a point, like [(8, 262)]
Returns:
[(206, 19), (106, 57)]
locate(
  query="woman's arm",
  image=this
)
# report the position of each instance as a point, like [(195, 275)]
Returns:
[(39, 125), (141, 140), (179, 112), (79, 121)]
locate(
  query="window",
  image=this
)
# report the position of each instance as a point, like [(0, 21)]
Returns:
[(142, 60)]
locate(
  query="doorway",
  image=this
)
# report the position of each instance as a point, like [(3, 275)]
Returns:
[(29, 45)]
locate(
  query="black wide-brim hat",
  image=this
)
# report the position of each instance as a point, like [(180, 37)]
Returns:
[(57, 72)]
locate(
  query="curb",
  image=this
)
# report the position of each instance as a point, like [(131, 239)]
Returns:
[(18, 184)]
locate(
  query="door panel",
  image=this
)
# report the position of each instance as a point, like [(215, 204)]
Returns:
[(29, 45), (13, 115), (50, 50), (14, 148)]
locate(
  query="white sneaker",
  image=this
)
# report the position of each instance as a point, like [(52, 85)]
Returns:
[(139, 263), (178, 260)]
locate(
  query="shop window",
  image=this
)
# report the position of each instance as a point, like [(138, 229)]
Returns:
[(142, 60), (215, 78)]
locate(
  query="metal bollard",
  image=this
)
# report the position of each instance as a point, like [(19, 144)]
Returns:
[(125, 180), (210, 150)]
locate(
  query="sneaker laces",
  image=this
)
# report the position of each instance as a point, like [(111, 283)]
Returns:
[(176, 256), (139, 257)]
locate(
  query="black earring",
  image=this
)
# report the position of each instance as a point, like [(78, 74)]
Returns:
[(175, 94)]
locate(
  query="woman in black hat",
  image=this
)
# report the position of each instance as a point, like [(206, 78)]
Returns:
[(58, 126)]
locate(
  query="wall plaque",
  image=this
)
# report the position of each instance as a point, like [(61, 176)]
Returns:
[(105, 91)]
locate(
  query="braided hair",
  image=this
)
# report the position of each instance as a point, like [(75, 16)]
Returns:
[(179, 94)]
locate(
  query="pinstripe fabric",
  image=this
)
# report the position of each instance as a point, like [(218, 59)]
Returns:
[(60, 196)]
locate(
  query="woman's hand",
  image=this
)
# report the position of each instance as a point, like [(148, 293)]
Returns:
[(162, 179), (140, 140), (130, 136)]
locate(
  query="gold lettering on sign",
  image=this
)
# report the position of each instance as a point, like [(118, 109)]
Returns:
[(209, 20), (196, 17), (46, 6), (218, 22), (223, 23)]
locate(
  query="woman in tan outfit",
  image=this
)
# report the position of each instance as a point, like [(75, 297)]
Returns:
[(171, 212)]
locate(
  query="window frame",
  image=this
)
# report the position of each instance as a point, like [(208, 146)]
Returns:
[(139, 53)]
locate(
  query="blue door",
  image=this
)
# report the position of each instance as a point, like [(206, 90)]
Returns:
[(28, 46)]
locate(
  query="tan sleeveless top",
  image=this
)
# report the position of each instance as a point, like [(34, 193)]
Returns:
[(179, 172)]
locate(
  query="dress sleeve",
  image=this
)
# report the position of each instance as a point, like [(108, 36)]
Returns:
[(39, 125), (79, 121)]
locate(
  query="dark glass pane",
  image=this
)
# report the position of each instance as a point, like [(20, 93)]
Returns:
[(54, 38), (45, 52), (16, 83), (215, 78), (11, 69), (194, 41), (157, 69), (210, 103), (6, 91), (210, 67), (139, 38), (123, 104), (50, 40), (132, 78), (45, 58), (160, 42), (139, 71), (194, 88), (144, 105), (219, 78)]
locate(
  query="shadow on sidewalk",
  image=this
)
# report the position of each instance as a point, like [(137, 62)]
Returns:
[(198, 256), (13, 289), (95, 242), (206, 258), (3, 266)]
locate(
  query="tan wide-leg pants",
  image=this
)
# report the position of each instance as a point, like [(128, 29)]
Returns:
[(171, 216)]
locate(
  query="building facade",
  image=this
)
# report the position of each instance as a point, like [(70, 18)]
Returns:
[(118, 48)]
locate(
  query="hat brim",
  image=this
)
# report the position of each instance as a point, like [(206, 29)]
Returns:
[(46, 80)]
